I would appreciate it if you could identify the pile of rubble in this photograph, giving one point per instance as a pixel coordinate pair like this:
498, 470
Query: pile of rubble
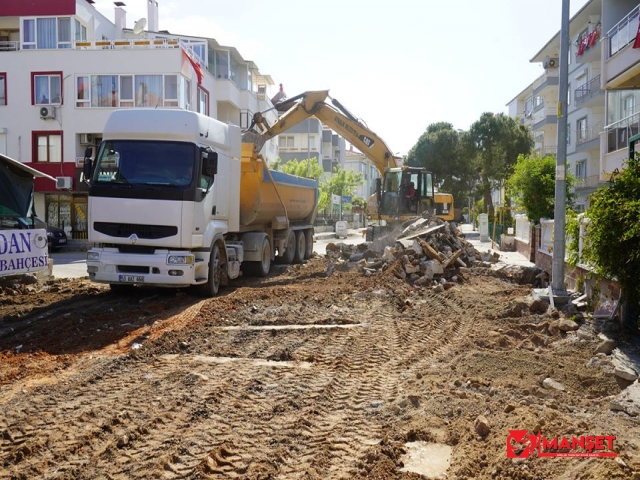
426, 252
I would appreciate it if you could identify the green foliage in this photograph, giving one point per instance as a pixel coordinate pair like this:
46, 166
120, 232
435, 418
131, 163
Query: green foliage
301, 168
572, 232
532, 186
494, 143
342, 182
613, 245
439, 150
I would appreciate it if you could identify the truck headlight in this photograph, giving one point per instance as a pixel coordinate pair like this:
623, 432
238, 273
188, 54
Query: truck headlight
93, 256
180, 259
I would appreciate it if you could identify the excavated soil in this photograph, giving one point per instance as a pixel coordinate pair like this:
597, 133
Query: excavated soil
311, 373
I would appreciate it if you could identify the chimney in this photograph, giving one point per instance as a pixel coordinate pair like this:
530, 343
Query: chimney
120, 16
152, 15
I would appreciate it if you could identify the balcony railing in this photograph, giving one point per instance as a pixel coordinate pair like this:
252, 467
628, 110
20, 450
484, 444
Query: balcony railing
584, 135
128, 43
623, 33
6, 46
619, 133
588, 90
587, 182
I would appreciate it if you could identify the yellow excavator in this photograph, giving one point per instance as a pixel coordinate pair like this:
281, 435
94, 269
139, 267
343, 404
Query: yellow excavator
395, 203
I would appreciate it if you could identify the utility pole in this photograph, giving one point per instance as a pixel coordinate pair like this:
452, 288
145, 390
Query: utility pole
559, 223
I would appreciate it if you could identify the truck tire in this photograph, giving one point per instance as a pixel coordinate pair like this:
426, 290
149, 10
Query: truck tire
210, 289
290, 249
308, 237
301, 246
373, 232
261, 268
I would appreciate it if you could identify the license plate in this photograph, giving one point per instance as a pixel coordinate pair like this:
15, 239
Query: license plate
131, 278
63, 240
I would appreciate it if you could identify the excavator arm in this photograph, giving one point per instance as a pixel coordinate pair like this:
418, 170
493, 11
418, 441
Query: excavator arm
335, 116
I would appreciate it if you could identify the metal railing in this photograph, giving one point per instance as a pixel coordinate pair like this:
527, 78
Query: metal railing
6, 46
619, 133
623, 33
591, 181
587, 134
587, 91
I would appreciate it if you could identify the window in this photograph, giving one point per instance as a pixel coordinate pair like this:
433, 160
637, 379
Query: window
285, 141
50, 33
569, 94
538, 102
187, 94
222, 64
581, 169
203, 101
3, 88
80, 31
47, 147
628, 106
246, 117
170, 90
127, 90
582, 132
46, 88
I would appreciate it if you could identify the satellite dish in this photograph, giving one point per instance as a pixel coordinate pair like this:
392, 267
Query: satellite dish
138, 28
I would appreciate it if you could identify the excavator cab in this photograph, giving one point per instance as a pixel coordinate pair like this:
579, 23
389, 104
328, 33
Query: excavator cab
405, 192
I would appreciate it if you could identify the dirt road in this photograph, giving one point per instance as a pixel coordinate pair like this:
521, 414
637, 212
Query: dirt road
302, 375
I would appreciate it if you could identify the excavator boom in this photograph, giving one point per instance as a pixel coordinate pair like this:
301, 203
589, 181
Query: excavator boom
313, 104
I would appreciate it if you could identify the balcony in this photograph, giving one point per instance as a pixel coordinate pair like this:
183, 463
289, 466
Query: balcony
588, 183
619, 133
589, 94
588, 138
622, 61
544, 116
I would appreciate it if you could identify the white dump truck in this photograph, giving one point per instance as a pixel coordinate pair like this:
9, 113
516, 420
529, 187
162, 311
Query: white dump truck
176, 200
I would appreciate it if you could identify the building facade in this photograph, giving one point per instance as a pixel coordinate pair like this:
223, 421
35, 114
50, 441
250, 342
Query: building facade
65, 68
602, 104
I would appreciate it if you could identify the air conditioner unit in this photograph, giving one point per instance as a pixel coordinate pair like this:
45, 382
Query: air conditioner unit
64, 183
86, 139
47, 112
549, 62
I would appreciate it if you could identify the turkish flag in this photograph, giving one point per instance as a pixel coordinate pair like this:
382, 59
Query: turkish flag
582, 46
195, 65
636, 43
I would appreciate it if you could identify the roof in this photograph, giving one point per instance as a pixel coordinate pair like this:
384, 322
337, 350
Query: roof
26, 168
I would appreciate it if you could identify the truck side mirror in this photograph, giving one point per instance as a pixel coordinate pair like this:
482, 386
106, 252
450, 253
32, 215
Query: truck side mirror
87, 165
209, 162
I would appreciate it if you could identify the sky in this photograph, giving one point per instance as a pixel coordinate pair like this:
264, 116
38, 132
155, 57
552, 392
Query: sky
398, 66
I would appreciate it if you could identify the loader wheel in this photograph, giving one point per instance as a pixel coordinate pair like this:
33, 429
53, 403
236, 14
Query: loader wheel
301, 246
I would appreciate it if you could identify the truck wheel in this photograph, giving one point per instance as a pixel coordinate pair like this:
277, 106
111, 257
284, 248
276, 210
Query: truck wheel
301, 246
210, 289
290, 249
261, 268
308, 250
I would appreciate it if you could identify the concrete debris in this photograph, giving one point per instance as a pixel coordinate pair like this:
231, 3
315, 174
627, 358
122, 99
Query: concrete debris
628, 400
427, 253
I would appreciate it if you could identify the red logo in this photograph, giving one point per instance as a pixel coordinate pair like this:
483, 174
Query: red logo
521, 444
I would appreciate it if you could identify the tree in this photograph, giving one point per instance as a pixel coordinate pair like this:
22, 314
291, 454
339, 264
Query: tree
342, 182
613, 238
532, 186
439, 150
301, 168
494, 143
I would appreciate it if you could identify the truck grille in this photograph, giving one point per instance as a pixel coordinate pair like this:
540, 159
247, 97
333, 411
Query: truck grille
124, 230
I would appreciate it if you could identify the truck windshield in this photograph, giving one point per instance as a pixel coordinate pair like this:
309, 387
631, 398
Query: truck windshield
145, 163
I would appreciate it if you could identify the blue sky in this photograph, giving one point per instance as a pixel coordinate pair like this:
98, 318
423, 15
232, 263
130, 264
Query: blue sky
398, 66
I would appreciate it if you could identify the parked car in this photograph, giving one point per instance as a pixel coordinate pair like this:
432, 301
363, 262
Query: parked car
55, 235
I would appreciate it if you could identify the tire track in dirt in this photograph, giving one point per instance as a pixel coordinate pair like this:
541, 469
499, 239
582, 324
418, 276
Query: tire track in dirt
236, 418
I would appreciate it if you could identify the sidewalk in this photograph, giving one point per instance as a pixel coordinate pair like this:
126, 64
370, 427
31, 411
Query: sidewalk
473, 237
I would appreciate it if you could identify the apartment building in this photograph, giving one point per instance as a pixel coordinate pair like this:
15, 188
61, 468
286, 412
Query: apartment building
537, 105
64, 68
604, 77
357, 162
